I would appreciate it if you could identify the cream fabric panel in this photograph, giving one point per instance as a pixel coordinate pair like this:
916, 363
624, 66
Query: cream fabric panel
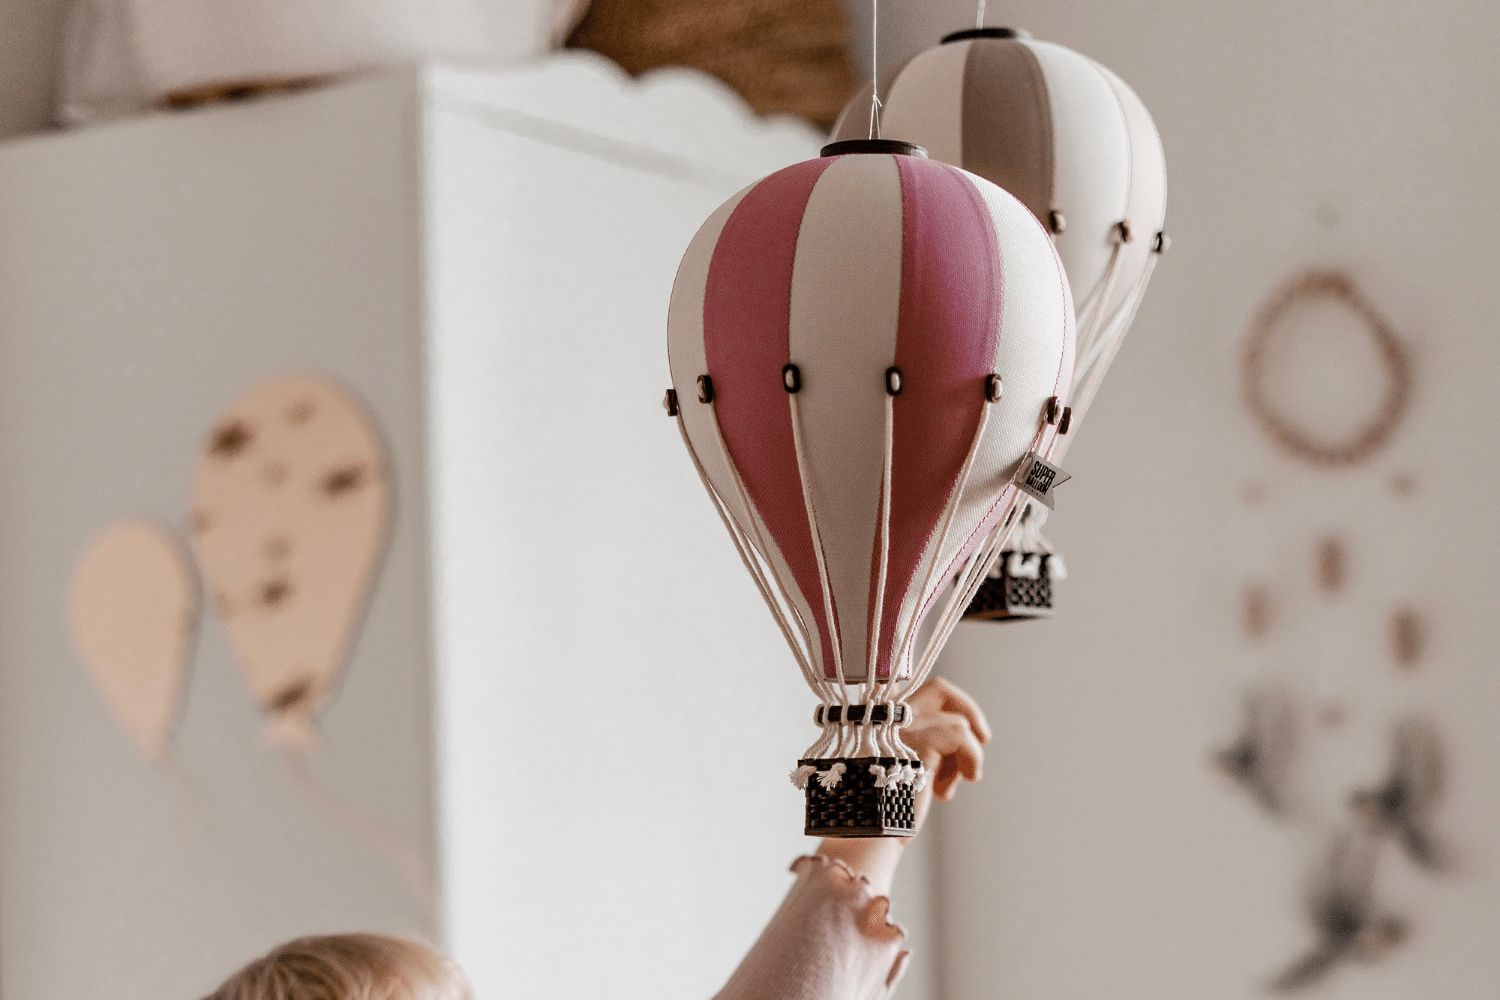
1091, 161
938, 119
844, 321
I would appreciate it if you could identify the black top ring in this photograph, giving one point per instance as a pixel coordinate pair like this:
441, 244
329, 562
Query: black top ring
895, 146
959, 36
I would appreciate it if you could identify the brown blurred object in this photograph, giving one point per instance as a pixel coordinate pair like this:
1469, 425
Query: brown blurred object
1298, 441
782, 56
1408, 637
219, 93
1257, 610
1403, 484
1333, 565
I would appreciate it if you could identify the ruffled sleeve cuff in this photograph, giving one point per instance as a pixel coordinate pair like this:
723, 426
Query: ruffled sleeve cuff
832, 939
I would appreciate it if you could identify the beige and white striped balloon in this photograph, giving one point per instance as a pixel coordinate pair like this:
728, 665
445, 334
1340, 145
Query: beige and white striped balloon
1065, 136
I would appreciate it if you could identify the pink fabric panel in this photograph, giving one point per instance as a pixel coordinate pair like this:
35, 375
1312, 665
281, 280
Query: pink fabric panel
746, 315
950, 314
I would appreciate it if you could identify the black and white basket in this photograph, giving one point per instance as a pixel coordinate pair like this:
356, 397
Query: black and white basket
1004, 596
859, 804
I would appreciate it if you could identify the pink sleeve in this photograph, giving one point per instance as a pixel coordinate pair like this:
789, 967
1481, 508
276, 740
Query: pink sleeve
830, 940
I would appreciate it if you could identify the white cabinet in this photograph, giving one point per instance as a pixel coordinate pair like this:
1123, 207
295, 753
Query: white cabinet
565, 695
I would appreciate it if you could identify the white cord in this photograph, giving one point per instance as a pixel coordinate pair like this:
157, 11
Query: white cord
765, 580
835, 640
979, 20
875, 104
1101, 354
948, 513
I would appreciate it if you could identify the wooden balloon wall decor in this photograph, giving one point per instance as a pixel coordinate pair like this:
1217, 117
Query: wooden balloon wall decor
870, 352
1073, 143
289, 520
134, 609
1292, 436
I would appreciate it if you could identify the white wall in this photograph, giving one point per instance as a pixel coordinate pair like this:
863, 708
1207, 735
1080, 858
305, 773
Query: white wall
619, 711
1100, 857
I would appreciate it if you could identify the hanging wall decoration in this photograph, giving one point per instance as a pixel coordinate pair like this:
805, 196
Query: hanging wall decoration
1299, 437
1408, 637
289, 520
1261, 757
1076, 145
1401, 807
134, 608
1349, 924
869, 356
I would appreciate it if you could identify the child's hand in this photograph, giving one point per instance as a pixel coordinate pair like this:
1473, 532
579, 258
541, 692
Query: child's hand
948, 732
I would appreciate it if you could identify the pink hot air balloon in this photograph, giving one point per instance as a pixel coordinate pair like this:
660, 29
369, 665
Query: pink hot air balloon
870, 353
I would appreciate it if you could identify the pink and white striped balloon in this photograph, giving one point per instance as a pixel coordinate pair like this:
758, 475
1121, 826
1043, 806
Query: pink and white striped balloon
865, 347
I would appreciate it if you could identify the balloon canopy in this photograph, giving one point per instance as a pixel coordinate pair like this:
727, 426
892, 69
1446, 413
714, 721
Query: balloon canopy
1064, 135
864, 348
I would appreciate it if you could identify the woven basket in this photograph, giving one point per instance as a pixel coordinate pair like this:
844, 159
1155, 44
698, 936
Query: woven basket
855, 807
782, 56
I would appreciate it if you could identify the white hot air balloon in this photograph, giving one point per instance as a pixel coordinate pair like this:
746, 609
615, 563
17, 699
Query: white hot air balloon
1074, 143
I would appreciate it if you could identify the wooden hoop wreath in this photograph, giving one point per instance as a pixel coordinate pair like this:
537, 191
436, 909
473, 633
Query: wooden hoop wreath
1285, 432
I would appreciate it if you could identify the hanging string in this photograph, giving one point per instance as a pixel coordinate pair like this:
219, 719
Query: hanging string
407, 862
875, 104
979, 20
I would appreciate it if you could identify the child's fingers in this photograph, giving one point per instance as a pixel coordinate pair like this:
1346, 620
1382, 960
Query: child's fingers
949, 697
952, 738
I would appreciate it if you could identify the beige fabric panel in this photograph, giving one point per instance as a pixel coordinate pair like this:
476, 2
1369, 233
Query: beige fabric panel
1092, 156
856, 203
924, 103
1146, 207
1008, 122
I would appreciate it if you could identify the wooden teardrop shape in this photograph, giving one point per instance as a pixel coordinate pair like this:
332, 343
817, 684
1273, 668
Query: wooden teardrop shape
133, 609
289, 521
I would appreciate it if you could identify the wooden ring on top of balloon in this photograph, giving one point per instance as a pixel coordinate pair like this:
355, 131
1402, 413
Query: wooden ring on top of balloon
1293, 438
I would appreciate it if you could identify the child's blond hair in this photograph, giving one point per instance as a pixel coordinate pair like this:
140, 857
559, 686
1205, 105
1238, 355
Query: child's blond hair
347, 967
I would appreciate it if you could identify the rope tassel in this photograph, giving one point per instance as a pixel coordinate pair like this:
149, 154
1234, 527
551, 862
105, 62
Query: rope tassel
830, 778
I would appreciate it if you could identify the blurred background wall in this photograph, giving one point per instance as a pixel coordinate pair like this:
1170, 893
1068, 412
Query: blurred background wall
30, 42
1102, 856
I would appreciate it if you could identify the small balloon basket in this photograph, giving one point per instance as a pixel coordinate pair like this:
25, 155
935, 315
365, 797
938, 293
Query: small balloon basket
862, 802
1019, 587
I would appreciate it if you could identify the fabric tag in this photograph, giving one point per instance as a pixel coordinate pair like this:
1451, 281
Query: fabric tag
1039, 478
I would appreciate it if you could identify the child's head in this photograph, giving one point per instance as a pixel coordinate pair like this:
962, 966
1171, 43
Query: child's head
347, 967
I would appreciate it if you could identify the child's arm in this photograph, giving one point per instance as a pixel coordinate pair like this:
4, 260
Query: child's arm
832, 936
